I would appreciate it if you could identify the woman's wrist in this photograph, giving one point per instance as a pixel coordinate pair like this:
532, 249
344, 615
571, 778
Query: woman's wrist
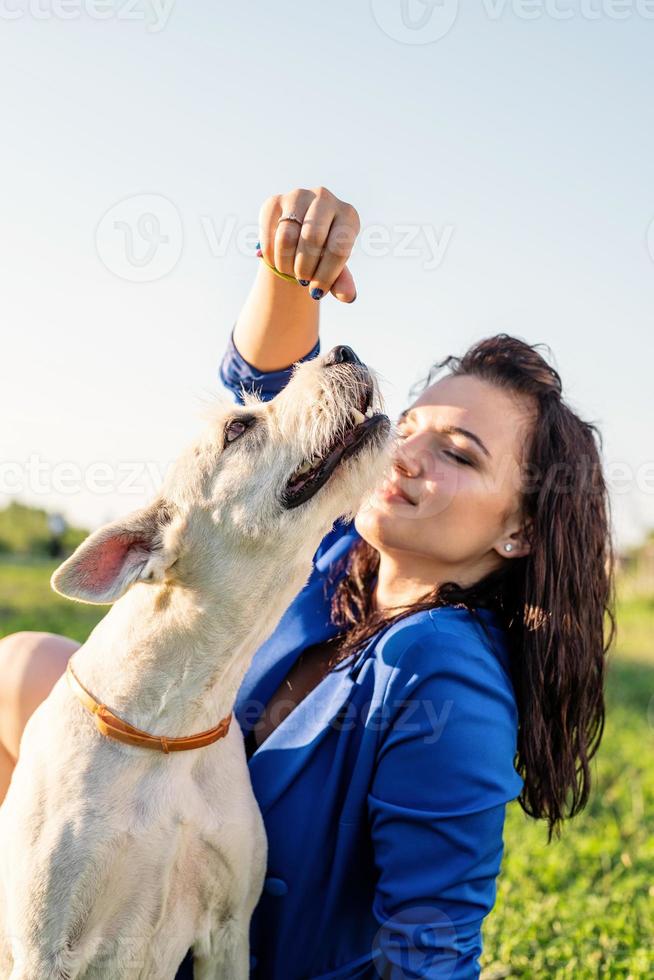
278, 323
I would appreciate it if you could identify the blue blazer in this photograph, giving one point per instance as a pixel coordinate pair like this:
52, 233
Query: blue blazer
383, 793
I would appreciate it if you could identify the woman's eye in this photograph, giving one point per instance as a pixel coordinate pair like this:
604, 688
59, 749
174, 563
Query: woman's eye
459, 459
233, 430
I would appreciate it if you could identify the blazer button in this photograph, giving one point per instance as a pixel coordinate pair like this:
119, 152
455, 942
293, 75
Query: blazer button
253, 961
275, 886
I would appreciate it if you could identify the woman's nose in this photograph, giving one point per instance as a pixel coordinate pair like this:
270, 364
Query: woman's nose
406, 464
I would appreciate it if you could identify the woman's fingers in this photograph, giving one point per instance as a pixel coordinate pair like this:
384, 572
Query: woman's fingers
337, 250
313, 234
269, 215
287, 233
343, 288
315, 251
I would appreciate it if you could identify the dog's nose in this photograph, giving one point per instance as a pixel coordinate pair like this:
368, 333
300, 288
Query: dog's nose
342, 354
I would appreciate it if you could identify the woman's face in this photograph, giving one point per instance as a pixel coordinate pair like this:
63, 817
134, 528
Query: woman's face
453, 497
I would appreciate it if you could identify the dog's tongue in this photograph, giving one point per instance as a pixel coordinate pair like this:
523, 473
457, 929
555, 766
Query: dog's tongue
297, 482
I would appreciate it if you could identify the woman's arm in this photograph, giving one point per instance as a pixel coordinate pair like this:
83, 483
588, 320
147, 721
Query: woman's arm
436, 804
278, 324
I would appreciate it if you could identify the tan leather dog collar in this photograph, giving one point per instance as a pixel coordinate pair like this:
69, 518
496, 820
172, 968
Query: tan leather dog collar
110, 725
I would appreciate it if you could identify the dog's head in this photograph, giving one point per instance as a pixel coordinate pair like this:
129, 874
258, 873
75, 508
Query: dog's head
266, 478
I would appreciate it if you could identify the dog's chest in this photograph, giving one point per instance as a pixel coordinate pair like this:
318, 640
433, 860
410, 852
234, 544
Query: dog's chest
133, 845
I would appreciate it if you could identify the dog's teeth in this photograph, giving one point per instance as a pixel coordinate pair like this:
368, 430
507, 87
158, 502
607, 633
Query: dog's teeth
358, 416
369, 412
305, 468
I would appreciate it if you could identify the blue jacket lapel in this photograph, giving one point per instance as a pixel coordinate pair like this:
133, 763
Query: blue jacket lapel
305, 622
289, 747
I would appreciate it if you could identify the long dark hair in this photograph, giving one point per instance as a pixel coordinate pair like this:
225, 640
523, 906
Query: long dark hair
555, 604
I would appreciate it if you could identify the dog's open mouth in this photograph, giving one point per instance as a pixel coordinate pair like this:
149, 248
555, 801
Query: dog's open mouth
314, 473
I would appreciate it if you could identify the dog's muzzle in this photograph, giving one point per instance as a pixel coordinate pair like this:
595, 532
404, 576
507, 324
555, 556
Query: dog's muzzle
366, 425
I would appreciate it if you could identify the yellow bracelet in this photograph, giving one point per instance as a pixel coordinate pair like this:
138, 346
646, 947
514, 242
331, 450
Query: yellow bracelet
282, 275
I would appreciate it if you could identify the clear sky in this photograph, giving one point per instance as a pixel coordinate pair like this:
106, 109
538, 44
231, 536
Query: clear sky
501, 155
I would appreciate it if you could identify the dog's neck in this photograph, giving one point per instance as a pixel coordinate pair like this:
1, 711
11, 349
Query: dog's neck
171, 662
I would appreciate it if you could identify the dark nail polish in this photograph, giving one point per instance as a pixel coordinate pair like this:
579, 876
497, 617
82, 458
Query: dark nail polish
316, 293
304, 282
258, 244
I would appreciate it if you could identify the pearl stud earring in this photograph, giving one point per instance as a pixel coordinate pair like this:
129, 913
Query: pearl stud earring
508, 547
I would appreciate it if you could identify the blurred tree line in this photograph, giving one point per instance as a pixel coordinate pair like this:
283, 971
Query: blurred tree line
31, 532
636, 569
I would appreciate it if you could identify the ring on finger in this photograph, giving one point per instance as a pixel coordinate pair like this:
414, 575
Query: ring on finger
290, 217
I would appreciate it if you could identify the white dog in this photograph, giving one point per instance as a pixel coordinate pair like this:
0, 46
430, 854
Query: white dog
119, 855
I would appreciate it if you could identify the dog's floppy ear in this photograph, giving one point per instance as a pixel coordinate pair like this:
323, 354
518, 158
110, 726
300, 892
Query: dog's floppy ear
135, 548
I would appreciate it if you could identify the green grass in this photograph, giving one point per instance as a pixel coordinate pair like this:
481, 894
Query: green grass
581, 907
28, 603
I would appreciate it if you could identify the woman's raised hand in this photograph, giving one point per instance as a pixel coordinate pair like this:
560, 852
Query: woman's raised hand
315, 252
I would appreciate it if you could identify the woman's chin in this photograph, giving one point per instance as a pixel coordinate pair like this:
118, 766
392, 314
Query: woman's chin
373, 516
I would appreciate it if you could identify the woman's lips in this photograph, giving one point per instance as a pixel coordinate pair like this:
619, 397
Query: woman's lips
391, 491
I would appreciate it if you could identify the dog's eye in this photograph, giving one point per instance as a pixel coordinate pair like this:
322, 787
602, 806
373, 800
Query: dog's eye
234, 429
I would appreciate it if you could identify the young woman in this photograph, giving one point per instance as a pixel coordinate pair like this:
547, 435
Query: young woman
445, 657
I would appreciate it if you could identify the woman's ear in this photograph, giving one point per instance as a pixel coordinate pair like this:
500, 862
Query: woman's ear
514, 543
135, 548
